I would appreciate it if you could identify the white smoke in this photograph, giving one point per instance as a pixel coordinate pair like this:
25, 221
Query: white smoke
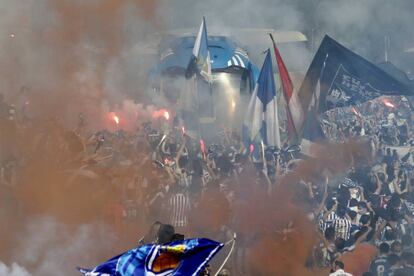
13, 270
47, 247
358, 24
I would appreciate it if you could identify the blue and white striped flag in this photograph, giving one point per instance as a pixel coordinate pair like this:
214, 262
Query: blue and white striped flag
261, 122
200, 59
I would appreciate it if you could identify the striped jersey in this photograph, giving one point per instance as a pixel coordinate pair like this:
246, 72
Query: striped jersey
179, 207
342, 228
324, 224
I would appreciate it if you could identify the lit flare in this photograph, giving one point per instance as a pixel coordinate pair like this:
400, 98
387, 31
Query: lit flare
114, 118
161, 113
388, 103
166, 115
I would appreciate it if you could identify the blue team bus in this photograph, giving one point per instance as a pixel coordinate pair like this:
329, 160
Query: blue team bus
222, 103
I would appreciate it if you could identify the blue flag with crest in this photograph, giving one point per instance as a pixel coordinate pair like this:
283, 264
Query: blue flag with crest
179, 258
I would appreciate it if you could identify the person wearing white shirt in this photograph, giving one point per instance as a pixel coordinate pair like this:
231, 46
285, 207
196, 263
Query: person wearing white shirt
339, 270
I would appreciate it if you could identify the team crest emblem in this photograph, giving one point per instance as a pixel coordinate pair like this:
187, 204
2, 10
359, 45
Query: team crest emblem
163, 260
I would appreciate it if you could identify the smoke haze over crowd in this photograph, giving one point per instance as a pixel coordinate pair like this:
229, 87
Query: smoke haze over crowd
62, 58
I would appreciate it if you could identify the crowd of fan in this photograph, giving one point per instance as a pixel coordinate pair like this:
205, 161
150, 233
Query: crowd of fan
373, 204
174, 173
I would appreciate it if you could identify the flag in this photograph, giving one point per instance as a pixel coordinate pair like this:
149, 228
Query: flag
179, 258
200, 61
287, 88
253, 75
261, 121
313, 134
345, 79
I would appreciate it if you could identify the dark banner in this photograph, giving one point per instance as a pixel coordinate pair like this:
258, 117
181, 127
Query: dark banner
339, 77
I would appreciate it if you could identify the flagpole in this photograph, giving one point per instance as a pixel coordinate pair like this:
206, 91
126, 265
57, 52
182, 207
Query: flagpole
316, 97
233, 242
386, 44
195, 83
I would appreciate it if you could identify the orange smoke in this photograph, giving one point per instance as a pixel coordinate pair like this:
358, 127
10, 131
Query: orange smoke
61, 50
67, 75
282, 235
63, 54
